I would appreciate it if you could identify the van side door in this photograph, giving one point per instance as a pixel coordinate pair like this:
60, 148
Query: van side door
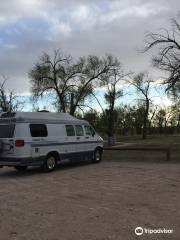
38, 133
80, 143
69, 148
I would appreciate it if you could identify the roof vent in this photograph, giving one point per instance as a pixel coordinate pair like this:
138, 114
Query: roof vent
43, 111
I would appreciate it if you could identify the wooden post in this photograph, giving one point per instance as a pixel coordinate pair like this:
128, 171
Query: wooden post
168, 154
162, 149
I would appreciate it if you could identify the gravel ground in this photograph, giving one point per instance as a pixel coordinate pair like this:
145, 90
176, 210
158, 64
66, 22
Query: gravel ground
91, 201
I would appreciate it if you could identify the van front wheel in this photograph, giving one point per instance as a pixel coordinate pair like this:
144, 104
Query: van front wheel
97, 156
50, 163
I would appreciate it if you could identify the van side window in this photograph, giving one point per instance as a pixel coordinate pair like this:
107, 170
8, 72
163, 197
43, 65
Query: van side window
89, 130
38, 130
70, 130
93, 132
79, 130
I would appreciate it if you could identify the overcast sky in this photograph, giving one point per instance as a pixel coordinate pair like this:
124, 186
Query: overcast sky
28, 27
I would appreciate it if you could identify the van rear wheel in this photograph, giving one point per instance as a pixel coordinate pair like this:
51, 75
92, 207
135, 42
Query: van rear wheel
97, 156
50, 163
20, 168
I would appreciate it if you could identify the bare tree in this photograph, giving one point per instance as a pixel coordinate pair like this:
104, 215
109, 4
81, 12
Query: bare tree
168, 56
70, 82
175, 116
51, 75
142, 83
9, 101
111, 81
152, 113
92, 68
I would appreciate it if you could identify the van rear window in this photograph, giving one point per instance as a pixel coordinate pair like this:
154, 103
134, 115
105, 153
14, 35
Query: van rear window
38, 130
7, 130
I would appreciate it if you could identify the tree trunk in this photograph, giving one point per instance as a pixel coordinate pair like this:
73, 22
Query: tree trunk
72, 109
111, 124
61, 103
178, 124
144, 136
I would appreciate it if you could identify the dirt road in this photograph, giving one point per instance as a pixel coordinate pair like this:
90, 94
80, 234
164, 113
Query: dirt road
91, 201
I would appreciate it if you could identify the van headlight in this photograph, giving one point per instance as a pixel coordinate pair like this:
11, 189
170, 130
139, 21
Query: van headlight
101, 139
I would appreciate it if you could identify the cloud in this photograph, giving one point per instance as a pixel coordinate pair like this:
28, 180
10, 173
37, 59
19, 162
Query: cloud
86, 17
78, 27
10, 46
12, 11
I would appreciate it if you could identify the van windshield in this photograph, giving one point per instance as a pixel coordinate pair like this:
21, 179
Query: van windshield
6, 130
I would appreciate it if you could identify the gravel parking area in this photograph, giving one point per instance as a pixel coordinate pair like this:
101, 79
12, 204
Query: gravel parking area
91, 201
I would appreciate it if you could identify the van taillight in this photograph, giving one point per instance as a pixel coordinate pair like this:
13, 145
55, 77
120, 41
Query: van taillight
19, 143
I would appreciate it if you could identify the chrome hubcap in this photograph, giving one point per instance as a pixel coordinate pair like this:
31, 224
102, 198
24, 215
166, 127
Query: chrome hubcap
97, 156
51, 163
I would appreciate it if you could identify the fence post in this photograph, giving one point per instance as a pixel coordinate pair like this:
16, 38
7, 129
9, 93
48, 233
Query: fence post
168, 154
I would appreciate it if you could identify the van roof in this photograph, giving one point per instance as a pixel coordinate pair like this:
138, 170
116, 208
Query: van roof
41, 117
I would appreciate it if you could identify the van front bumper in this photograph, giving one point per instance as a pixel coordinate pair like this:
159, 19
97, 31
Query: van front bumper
38, 161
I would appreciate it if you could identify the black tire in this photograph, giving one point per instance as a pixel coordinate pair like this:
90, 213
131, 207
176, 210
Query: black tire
21, 168
97, 156
50, 163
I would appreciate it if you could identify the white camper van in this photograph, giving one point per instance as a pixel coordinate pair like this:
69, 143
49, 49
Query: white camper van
45, 139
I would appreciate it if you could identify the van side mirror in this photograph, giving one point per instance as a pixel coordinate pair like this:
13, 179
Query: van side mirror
93, 134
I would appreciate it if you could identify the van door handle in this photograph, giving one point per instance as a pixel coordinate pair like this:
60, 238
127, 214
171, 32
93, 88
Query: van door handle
87, 137
77, 137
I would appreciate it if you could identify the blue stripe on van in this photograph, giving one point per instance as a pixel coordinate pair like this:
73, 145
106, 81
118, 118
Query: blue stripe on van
65, 143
